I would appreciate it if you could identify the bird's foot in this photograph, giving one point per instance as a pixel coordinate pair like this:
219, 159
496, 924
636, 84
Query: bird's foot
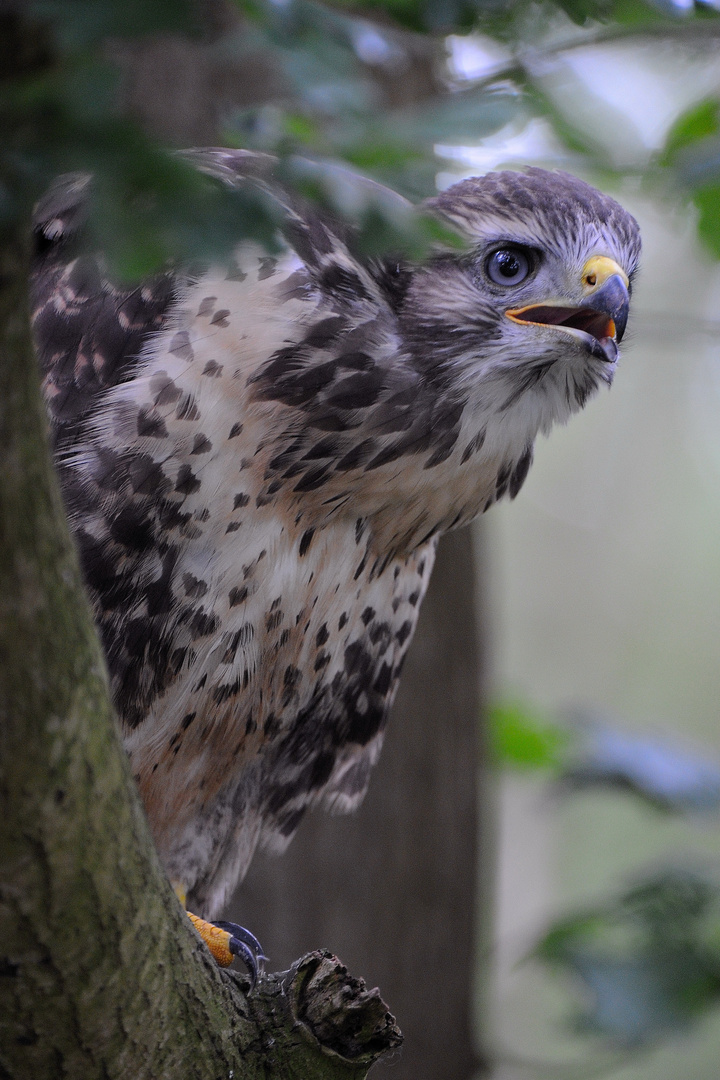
226, 940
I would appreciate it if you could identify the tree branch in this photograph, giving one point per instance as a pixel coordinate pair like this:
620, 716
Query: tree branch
525, 61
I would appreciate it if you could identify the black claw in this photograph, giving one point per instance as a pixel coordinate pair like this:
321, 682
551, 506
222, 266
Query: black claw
242, 935
245, 945
239, 948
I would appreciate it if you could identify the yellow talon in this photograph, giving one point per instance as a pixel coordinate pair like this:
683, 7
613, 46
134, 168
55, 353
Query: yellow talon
226, 940
217, 940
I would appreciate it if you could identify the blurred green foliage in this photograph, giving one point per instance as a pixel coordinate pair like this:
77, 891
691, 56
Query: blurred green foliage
501, 18
332, 66
692, 152
699, 123
649, 960
58, 111
58, 114
522, 739
589, 751
90, 22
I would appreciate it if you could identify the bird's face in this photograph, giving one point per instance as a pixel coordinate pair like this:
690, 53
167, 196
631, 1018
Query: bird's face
557, 306
539, 303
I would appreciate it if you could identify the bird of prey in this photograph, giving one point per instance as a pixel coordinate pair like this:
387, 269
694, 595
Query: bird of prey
257, 460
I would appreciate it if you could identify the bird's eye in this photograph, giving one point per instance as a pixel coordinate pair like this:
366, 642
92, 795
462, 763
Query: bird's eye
508, 266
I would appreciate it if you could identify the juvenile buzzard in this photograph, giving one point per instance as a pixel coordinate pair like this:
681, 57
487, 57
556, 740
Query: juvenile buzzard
257, 462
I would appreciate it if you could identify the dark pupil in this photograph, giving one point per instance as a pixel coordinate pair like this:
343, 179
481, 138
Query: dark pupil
507, 264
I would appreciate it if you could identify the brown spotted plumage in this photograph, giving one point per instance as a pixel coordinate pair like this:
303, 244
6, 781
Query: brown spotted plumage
257, 462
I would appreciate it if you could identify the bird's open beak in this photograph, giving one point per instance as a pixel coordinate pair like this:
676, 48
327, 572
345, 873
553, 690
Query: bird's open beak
601, 317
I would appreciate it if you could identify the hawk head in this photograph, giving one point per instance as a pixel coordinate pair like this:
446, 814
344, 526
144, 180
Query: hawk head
540, 301
418, 405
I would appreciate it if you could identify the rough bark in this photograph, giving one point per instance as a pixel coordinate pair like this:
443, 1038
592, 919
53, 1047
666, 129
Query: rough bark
393, 888
101, 974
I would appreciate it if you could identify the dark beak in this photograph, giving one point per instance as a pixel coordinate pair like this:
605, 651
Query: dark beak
611, 298
602, 315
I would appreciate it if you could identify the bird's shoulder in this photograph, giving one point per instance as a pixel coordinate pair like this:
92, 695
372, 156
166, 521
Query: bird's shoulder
88, 329
91, 331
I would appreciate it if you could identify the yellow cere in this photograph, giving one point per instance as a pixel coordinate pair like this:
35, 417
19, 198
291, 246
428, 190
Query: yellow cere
598, 269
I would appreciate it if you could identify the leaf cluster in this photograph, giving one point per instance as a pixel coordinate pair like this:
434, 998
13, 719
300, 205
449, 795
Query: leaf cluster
692, 153
340, 69
649, 960
341, 74
58, 114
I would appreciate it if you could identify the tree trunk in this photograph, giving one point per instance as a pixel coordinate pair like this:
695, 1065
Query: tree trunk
392, 888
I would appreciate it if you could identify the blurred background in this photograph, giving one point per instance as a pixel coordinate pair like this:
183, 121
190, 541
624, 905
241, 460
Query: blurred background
534, 879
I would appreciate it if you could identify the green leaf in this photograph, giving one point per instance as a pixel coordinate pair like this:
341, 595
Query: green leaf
698, 123
692, 152
707, 200
642, 14
559, 942
520, 738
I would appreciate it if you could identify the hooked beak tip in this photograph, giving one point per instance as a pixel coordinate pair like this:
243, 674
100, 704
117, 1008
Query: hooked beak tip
612, 298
